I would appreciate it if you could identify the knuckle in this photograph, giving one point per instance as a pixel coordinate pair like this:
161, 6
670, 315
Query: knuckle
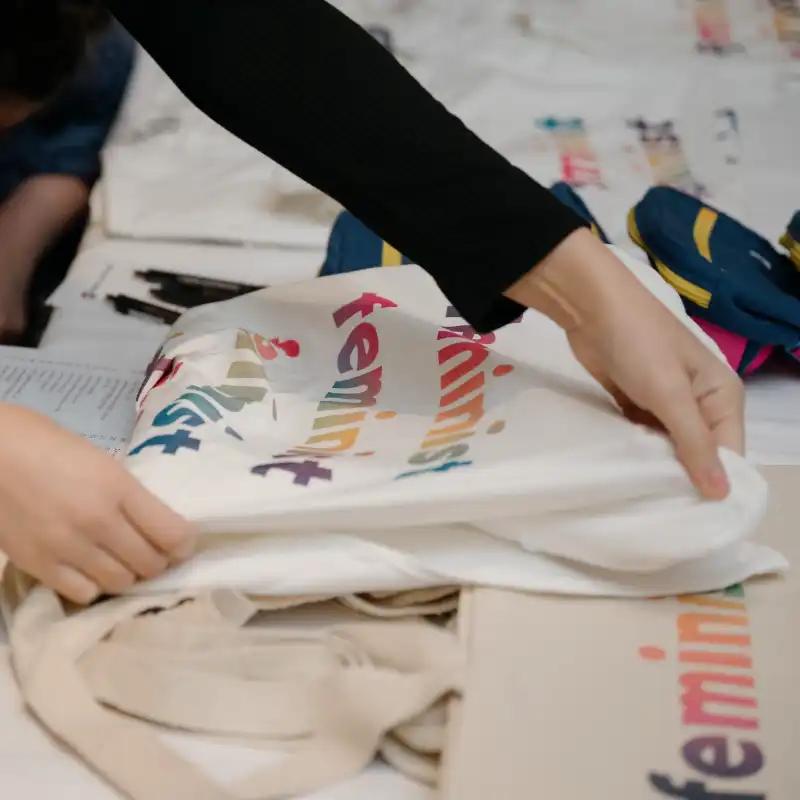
57, 541
138, 554
737, 391
41, 569
152, 565
82, 595
171, 538
116, 579
95, 522
667, 393
71, 586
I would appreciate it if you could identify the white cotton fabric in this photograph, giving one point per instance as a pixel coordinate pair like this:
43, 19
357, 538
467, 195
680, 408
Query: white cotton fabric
171, 173
562, 493
324, 699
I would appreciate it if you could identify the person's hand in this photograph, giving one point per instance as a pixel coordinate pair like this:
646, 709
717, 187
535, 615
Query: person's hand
661, 375
32, 219
75, 519
655, 368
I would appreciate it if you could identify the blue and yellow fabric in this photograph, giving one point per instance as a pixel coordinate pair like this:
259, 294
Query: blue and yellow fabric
569, 197
791, 239
727, 274
353, 246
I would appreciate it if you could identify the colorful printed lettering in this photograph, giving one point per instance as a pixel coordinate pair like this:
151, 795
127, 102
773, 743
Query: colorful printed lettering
710, 755
194, 408
717, 693
442, 468
170, 443
579, 163
158, 373
268, 350
786, 19
246, 377
304, 471
714, 28
698, 696
246, 382
663, 148
462, 355
695, 790
344, 410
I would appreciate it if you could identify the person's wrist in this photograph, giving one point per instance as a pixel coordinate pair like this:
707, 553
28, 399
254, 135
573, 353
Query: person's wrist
575, 284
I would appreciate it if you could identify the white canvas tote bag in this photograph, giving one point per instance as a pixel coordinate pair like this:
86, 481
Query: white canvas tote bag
340, 440
330, 698
353, 433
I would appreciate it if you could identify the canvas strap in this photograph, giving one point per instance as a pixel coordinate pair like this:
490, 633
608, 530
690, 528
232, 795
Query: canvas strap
334, 696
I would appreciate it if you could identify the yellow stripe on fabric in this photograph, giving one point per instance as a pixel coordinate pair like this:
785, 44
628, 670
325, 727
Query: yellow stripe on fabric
793, 247
703, 225
390, 257
696, 294
691, 291
633, 230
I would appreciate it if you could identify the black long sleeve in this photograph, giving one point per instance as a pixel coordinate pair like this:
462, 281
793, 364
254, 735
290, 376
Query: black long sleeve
305, 85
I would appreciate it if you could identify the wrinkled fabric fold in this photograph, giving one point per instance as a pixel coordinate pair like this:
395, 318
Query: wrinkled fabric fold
312, 431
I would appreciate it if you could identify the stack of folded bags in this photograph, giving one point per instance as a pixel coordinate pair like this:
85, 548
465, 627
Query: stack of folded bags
743, 292
343, 503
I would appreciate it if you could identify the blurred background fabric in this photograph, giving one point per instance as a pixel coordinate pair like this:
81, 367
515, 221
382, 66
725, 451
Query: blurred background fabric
611, 96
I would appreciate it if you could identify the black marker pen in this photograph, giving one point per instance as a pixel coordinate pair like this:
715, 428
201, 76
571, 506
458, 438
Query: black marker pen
179, 294
133, 306
161, 276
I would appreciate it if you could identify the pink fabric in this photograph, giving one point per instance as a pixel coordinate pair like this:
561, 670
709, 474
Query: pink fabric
733, 346
759, 360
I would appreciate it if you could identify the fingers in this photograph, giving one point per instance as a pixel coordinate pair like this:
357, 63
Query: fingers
70, 584
133, 550
106, 550
79, 567
104, 546
723, 407
97, 564
693, 438
106, 559
82, 567
67, 581
166, 531
729, 433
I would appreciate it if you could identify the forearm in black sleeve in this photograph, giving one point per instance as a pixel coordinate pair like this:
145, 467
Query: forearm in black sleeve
305, 85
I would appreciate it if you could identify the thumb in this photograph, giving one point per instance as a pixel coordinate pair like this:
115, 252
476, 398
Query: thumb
694, 441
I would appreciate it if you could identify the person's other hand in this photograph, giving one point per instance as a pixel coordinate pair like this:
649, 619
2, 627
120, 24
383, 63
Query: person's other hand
75, 519
654, 367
